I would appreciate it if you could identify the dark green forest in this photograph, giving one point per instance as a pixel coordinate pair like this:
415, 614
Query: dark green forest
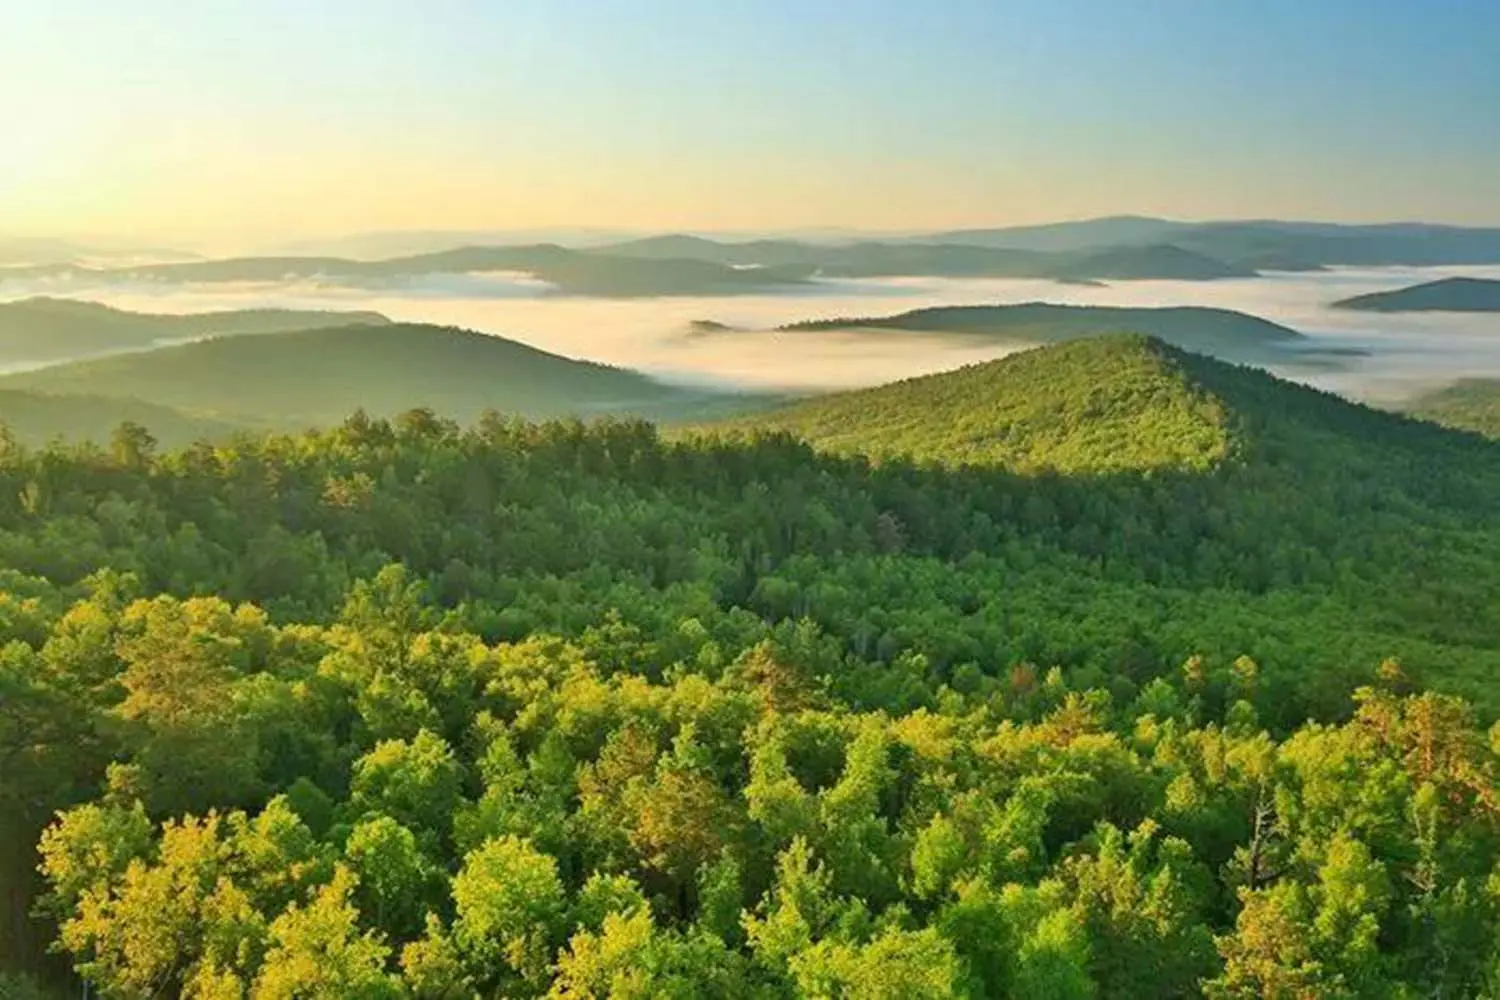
1151, 677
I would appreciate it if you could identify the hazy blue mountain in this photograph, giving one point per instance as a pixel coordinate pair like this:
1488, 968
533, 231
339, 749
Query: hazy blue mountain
1447, 295
853, 260
1161, 261
1262, 244
1062, 237
1319, 243
681, 246
1120, 248
36, 250
871, 259
571, 271
409, 242
1222, 333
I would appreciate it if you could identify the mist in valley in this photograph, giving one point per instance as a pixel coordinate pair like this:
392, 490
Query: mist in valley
1406, 353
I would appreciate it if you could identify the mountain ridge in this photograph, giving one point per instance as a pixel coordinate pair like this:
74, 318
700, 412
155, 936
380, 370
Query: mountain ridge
1225, 333
1018, 413
1458, 294
1100, 404
46, 329
317, 377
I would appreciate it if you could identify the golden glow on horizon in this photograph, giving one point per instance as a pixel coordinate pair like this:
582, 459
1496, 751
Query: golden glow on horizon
228, 187
233, 188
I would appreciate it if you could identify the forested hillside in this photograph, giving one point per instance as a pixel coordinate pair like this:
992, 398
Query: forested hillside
1087, 406
867, 259
48, 330
317, 377
401, 709
1471, 404
38, 418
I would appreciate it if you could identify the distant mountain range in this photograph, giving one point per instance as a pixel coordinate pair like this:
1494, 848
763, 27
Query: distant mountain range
1222, 333
1043, 251
1447, 295
569, 271
1115, 249
1267, 244
885, 259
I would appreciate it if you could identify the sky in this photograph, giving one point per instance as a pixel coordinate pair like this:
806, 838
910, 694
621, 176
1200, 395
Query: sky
224, 120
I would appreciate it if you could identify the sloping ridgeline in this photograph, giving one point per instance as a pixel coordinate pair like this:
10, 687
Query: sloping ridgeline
1213, 476
317, 377
571, 271
38, 330
399, 709
1447, 295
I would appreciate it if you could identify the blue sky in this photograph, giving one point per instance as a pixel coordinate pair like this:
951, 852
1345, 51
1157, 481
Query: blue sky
218, 116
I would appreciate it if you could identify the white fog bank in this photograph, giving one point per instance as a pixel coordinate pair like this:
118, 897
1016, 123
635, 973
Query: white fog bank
1409, 352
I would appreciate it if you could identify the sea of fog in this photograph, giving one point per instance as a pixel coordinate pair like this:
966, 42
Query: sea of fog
1407, 352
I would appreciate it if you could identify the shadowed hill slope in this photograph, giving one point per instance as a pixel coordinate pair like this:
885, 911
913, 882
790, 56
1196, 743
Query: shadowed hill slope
1447, 295
35, 418
39, 330
1202, 458
318, 377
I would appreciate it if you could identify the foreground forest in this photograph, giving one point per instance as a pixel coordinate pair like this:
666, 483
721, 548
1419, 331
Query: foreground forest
404, 709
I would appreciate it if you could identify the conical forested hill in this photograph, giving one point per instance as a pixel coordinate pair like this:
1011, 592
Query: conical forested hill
1109, 403
1102, 405
1166, 468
